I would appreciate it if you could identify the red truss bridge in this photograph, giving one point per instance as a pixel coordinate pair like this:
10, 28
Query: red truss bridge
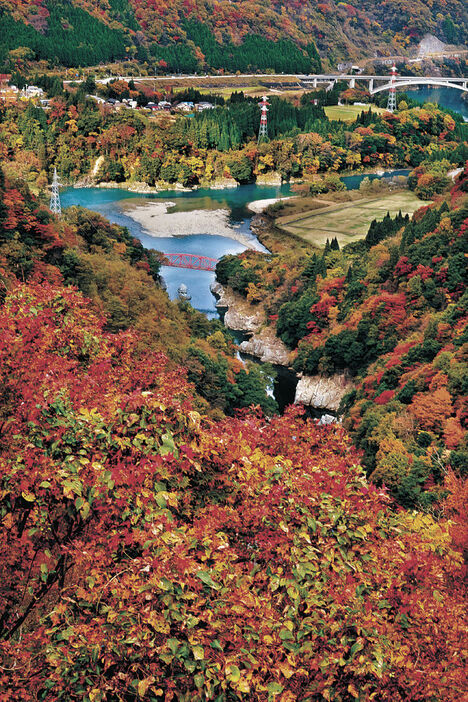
193, 261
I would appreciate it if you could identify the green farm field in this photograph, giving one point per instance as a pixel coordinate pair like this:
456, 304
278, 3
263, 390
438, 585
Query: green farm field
347, 222
348, 113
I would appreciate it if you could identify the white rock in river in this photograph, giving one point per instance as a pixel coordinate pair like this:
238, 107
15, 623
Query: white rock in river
320, 392
267, 347
327, 419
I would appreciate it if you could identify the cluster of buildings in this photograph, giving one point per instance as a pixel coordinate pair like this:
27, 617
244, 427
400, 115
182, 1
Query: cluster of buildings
10, 93
161, 106
164, 105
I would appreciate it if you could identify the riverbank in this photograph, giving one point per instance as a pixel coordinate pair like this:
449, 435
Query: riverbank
274, 239
268, 179
258, 206
142, 188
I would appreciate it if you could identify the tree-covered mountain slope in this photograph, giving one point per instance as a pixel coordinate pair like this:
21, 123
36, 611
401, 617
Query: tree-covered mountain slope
390, 312
190, 35
150, 553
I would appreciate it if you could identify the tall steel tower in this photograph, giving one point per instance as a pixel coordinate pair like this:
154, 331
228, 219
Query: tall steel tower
55, 197
263, 131
391, 102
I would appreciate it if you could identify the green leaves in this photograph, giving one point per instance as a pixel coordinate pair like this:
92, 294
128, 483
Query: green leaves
168, 445
173, 645
206, 579
286, 635
274, 689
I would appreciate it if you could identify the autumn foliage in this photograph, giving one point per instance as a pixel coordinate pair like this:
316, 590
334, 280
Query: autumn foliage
389, 313
153, 548
347, 29
147, 553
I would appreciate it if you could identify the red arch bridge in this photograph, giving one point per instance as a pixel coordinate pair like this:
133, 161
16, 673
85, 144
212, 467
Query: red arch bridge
193, 261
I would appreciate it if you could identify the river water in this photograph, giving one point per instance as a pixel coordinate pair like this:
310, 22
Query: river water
113, 204
451, 98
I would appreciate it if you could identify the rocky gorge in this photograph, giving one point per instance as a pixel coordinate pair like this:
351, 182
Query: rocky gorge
318, 392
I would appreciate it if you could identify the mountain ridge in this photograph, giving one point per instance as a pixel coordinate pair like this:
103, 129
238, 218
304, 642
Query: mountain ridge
208, 34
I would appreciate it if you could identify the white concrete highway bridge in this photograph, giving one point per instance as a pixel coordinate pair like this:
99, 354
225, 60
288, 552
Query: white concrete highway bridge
378, 84
375, 84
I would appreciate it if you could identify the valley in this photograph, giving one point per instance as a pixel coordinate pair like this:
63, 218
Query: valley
233, 351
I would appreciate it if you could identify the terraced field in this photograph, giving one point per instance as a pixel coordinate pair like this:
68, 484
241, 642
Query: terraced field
347, 221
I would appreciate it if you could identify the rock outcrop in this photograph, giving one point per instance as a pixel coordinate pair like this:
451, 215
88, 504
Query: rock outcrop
321, 392
241, 316
266, 346
314, 391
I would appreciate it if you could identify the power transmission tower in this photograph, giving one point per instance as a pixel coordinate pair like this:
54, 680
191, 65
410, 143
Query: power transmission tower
263, 131
391, 102
55, 197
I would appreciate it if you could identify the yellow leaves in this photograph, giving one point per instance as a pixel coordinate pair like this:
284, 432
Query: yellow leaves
198, 653
238, 609
158, 623
449, 123
286, 669
95, 695
143, 685
233, 673
243, 685
194, 419
352, 690
28, 496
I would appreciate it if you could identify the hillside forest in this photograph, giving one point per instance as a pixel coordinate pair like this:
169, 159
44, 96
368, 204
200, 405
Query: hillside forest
189, 36
221, 143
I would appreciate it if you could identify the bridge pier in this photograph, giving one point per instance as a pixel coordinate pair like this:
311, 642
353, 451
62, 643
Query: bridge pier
371, 85
352, 83
314, 83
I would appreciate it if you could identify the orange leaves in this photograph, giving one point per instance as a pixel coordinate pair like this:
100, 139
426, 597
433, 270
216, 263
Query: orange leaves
453, 433
431, 410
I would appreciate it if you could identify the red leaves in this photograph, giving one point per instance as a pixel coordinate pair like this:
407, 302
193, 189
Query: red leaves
385, 397
403, 266
424, 272
204, 561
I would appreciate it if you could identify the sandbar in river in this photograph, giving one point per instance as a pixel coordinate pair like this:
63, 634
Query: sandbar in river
158, 222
